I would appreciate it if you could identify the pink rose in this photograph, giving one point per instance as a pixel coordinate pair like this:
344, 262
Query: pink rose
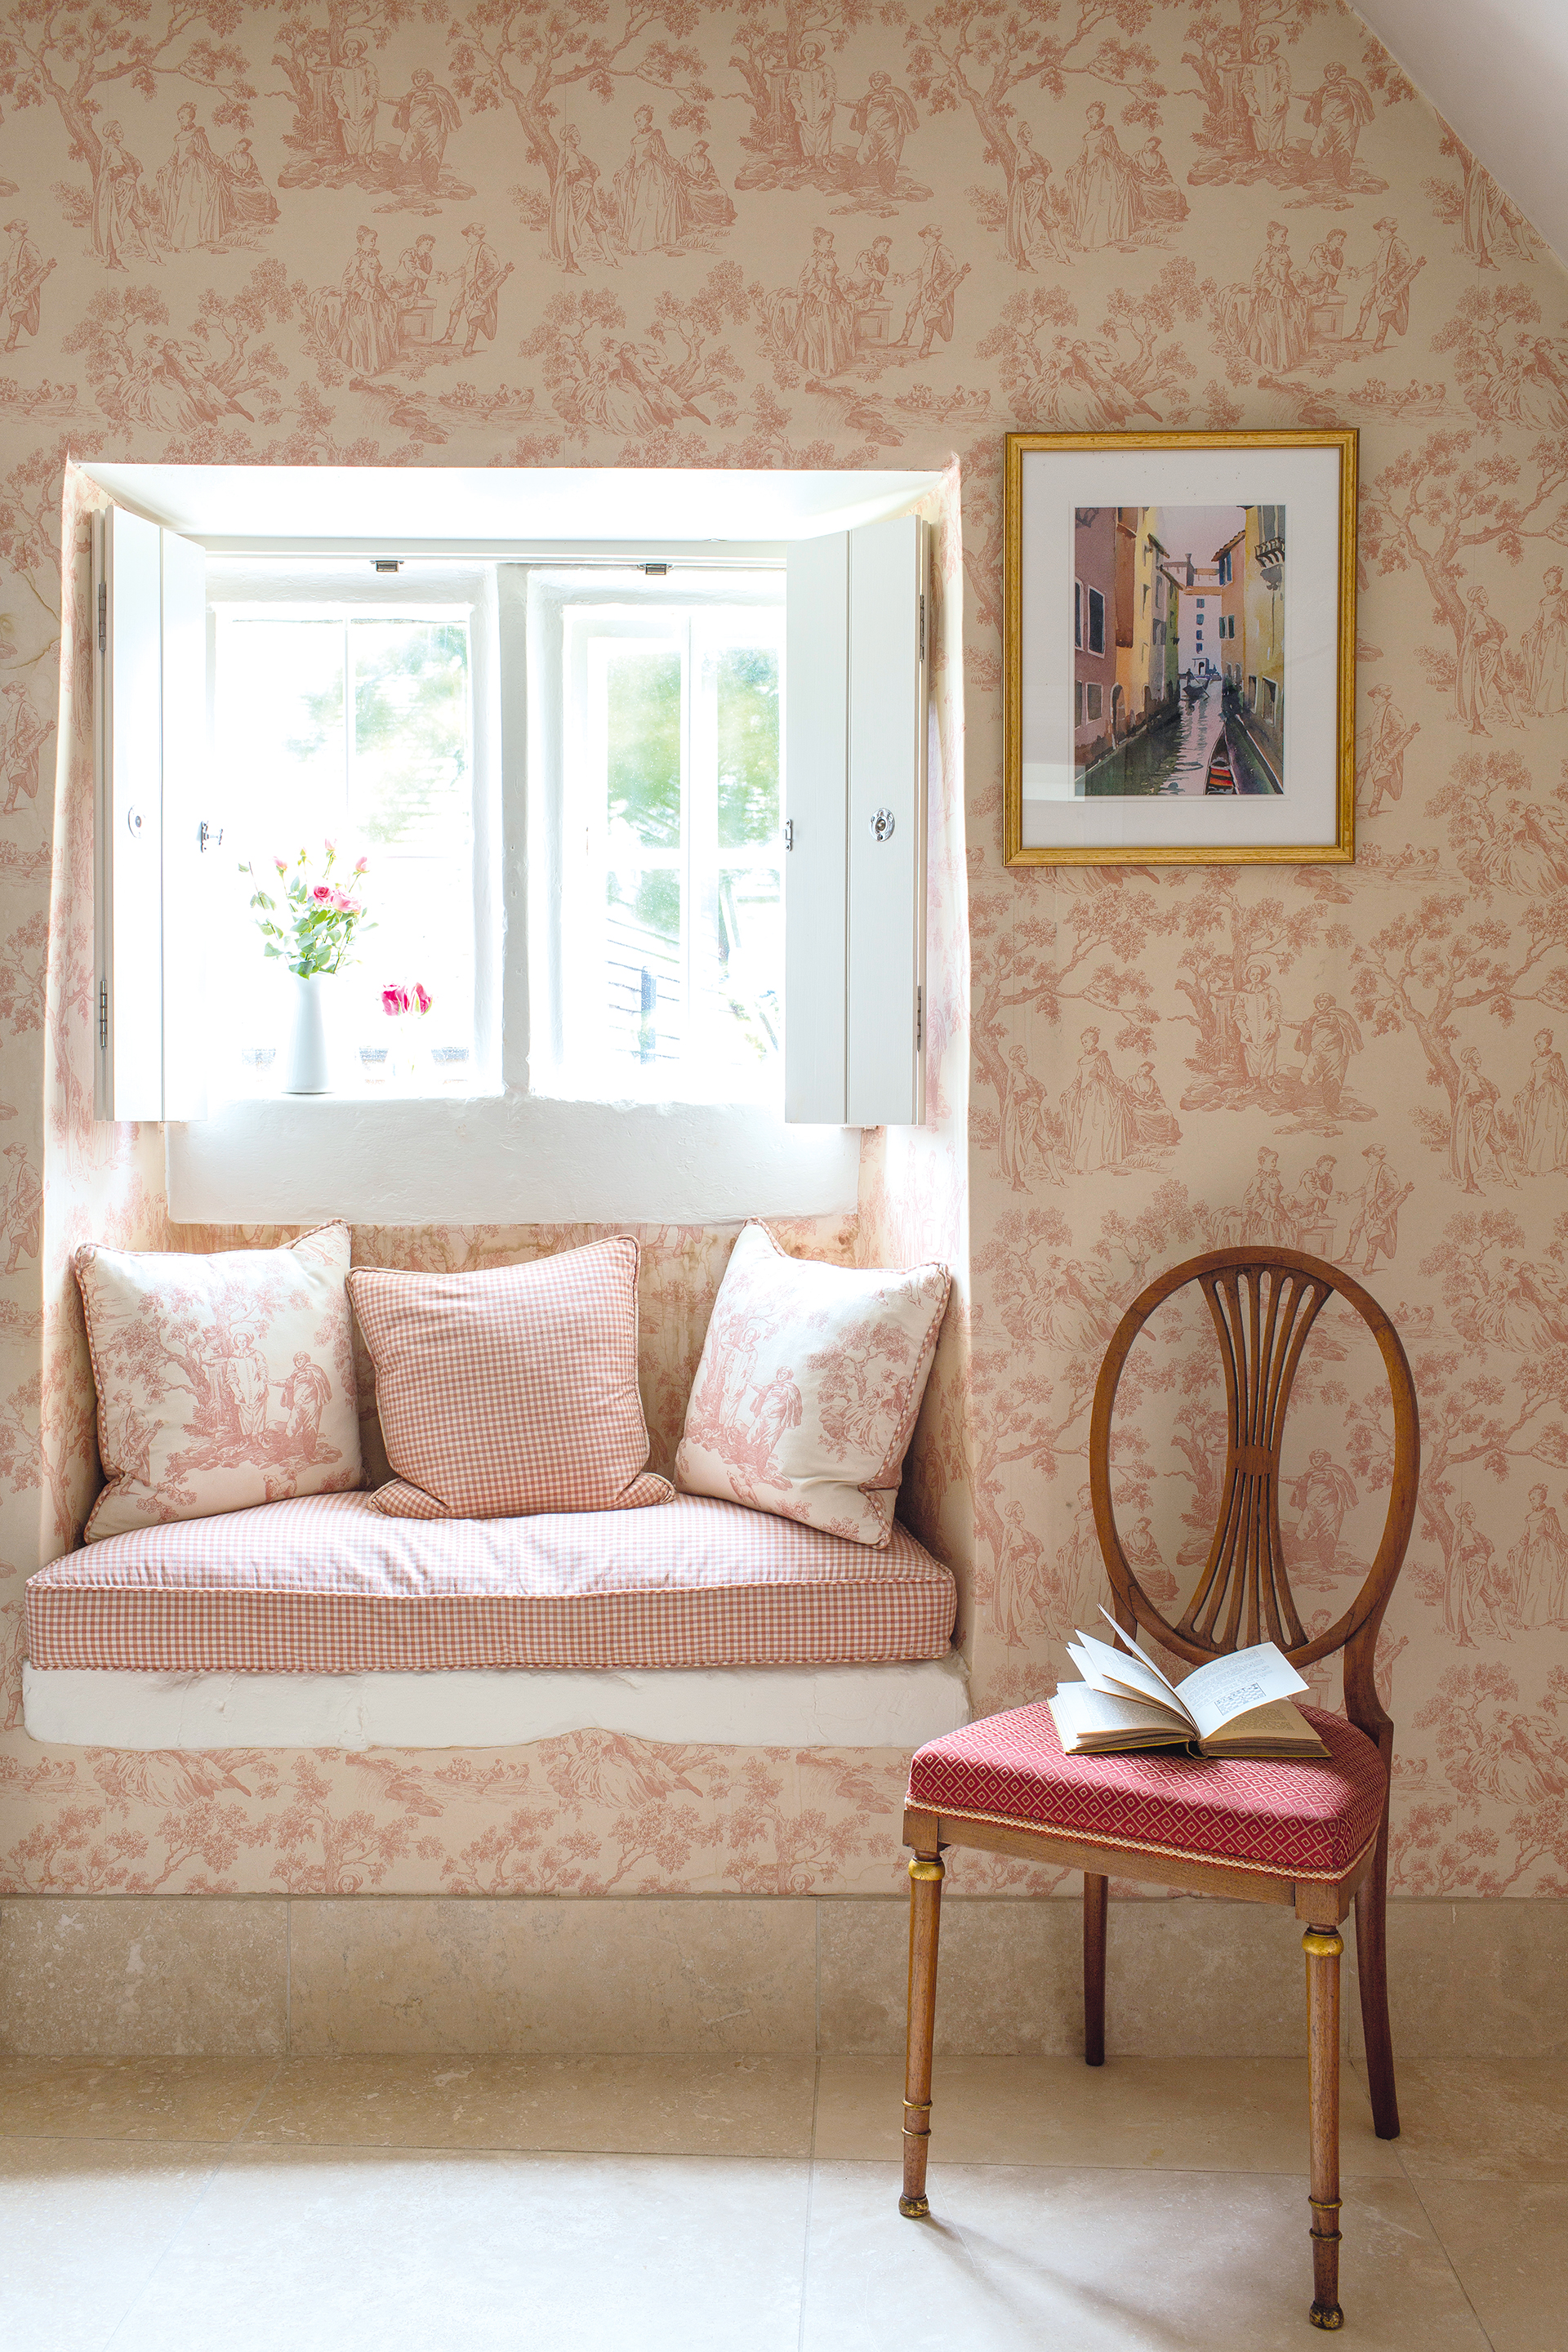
362, 865
322, 893
394, 1000
344, 904
424, 996
281, 864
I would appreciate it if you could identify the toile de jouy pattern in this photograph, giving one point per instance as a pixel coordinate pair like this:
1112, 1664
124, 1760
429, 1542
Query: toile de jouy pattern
809, 1386
819, 232
222, 1382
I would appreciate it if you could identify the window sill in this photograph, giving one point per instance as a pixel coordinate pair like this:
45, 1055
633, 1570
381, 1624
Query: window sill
506, 1158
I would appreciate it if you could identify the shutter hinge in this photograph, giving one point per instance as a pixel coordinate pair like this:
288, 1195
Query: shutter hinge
103, 1016
789, 833
919, 1019
923, 628
103, 617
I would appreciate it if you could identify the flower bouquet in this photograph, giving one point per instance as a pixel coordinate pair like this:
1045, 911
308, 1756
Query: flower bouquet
313, 929
309, 922
407, 1005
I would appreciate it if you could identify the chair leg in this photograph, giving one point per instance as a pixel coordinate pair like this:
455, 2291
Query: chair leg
926, 1875
1372, 1969
1094, 1921
1323, 1946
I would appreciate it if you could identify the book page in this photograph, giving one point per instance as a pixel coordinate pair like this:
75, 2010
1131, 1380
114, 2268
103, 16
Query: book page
1103, 1667
1080, 1712
1277, 1724
1233, 1685
1142, 1657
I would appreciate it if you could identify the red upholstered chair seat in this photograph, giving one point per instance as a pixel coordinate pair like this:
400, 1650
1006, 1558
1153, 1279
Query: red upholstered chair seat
1302, 1819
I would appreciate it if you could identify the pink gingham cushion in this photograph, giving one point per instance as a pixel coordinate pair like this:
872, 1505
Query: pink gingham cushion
509, 1391
223, 1382
332, 1587
810, 1382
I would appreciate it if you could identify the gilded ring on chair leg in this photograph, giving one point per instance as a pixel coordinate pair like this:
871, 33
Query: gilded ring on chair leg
1326, 2315
915, 2209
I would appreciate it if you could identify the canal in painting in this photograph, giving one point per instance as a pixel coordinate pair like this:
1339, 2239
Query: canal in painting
1171, 756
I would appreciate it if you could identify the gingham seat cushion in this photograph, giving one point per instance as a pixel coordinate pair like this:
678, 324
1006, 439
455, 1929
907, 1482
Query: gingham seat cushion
328, 1585
1303, 1820
510, 1390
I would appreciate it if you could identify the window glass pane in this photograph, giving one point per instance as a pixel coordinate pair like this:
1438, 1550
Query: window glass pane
280, 717
643, 963
409, 788
748, 958
748, 690
643, 735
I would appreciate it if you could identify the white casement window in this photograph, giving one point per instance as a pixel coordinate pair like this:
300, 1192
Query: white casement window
645, 820
354, 710
655, 916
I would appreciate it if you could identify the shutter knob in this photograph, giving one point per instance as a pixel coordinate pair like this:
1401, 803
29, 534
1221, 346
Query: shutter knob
882, 824
133, 823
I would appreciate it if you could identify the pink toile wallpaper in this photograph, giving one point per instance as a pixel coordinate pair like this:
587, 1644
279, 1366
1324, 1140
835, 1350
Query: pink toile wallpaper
820, 232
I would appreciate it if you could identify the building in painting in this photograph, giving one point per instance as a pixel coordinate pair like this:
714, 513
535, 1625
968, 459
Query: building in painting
1200, 638
1140, 676
1263, 634
1168, 624
1094, 630
1230, 575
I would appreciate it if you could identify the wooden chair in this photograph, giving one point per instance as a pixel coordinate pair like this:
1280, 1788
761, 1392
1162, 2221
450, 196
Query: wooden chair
1311, 1835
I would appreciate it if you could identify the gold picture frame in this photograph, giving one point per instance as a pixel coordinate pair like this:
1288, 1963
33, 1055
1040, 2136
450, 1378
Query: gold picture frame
1290, 797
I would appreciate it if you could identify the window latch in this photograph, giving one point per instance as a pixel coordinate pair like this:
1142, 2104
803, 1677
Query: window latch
103, 617
209, 837
103, 1016
789, 833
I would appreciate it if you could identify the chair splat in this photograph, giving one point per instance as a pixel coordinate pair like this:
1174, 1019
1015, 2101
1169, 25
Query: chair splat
1261, 1316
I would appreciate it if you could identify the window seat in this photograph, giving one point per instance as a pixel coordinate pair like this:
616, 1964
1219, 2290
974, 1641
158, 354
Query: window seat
320, 1613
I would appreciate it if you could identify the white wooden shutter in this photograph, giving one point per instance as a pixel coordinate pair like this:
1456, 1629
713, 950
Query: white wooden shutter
150, 616
855, 787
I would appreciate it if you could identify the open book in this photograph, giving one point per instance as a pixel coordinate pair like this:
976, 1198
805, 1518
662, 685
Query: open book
1239, 1706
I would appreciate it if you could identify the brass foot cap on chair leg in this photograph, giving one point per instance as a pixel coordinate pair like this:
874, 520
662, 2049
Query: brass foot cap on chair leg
1326, 2315
915, 2209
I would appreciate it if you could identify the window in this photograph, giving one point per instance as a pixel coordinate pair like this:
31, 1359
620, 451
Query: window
1078, 614
1200, 604
1272, 706
343, 712
1093, 700
1225, 568
1078, 702
1252, 694
575, 842
654, 766
1096, 621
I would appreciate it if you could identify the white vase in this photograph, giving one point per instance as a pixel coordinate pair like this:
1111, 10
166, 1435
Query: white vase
308, 1069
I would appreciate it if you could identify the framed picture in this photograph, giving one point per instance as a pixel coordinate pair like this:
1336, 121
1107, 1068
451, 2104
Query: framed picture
1179, 648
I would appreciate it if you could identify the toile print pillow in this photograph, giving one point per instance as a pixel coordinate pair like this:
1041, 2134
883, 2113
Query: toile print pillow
810, 1382
223, 1382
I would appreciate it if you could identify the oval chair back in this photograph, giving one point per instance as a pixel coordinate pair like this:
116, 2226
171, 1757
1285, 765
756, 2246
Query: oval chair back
1263, 1302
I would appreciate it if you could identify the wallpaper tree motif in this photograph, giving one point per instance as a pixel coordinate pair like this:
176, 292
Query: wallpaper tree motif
816, 232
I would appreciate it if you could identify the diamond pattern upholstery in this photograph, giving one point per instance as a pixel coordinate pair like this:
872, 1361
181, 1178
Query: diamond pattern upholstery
1303, 1820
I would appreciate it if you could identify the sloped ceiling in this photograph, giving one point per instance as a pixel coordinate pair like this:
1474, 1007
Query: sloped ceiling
1497, 70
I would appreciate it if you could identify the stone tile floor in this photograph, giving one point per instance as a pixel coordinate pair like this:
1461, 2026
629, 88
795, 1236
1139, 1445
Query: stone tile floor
749, 2205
